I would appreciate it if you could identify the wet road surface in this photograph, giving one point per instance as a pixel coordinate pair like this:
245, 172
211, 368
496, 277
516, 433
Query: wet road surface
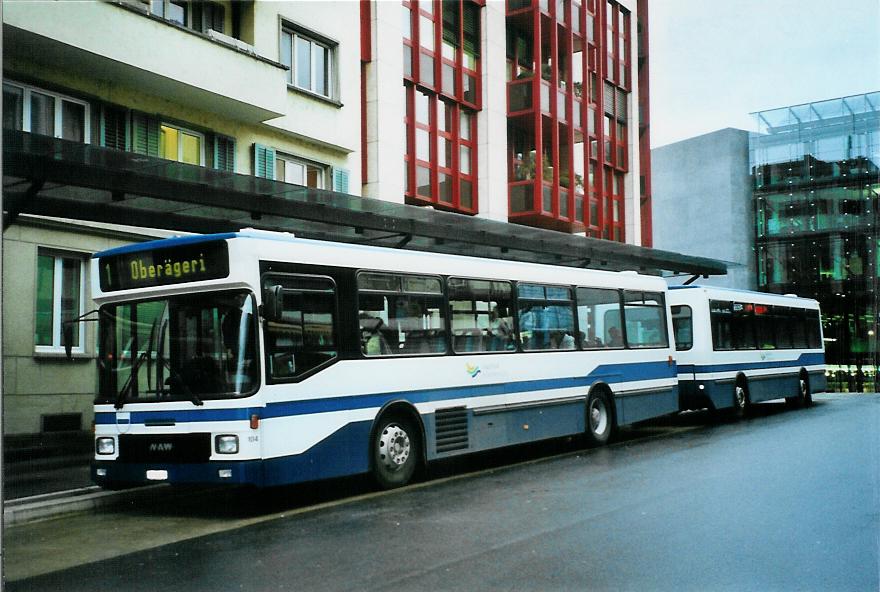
787, 500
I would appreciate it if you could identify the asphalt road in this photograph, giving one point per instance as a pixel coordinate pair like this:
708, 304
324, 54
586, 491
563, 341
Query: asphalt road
787, 500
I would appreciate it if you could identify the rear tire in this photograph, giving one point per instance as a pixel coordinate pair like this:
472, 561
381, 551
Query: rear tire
741, 404
600, 418
395, 450
806, 393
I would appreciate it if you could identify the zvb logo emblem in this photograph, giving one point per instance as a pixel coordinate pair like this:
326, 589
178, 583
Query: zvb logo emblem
472, 370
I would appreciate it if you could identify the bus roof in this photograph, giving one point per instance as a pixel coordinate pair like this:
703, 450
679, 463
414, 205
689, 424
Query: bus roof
750, 294
401, 259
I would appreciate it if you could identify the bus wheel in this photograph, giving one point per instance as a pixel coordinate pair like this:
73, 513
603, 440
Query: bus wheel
600, 420
395, 450
805, 396
741, 402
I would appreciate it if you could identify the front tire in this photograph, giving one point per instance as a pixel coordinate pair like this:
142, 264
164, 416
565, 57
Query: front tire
395, 450
600, 418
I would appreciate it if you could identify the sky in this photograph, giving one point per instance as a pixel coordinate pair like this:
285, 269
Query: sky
712, 62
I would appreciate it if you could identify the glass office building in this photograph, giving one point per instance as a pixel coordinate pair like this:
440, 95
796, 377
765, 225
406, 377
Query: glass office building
816, 170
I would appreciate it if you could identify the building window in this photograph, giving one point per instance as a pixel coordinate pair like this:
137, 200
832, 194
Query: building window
300, 172
199, 16
41, 112
442, 151
181, 145
312, 62
60, 297
441, 48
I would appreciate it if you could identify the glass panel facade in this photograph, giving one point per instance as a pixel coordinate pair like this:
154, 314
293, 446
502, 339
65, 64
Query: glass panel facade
816, 175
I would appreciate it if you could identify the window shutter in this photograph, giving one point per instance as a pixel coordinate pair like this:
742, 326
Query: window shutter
609, 99
450, 22
620, 106
145, 134
224, 153
264, 161
340, 180
471, 28
218, 14
113, 127
198, 9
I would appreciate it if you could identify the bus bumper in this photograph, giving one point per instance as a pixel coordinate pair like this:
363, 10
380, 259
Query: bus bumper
114, 474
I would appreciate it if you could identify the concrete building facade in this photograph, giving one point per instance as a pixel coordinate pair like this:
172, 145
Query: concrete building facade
703, 203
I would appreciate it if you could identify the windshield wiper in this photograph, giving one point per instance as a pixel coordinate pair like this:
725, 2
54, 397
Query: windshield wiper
123, 392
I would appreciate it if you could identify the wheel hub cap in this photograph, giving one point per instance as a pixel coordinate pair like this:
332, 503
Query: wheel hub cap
394, 447
598, 417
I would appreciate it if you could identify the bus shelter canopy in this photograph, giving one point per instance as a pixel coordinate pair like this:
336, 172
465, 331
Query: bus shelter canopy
52, 177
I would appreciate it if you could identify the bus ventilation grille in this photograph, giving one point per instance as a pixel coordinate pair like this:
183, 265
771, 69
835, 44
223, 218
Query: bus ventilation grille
452, 429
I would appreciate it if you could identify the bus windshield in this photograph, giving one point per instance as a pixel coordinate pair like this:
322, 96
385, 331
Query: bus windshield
191, 346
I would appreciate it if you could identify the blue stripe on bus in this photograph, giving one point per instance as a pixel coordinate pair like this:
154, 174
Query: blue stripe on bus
811, 359
610, 373
166, 243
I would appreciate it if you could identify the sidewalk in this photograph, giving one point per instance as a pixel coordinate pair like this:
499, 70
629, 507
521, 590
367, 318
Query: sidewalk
46, 476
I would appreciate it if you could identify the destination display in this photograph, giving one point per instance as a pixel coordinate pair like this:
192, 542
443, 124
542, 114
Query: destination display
159, 267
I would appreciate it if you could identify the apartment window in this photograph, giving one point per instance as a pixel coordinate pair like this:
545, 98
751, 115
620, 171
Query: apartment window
441, 151
199, 16
170, 10
60, 295
300, 172
181, 145
42, 112
311, 61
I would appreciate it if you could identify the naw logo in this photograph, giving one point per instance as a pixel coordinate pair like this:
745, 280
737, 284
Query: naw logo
472, 370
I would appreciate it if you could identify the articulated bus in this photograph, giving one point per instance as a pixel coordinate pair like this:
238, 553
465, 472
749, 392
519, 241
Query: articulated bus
736, 348
260, 358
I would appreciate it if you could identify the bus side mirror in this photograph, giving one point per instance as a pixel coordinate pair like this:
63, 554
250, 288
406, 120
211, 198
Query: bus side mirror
67, 339
272, 302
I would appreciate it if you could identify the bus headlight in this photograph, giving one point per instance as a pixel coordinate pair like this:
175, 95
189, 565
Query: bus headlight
226, 444
105, 446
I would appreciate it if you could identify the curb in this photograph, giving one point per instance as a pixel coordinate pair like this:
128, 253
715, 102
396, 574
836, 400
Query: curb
85, 499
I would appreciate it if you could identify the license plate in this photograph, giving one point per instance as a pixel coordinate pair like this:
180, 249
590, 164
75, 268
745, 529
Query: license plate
157, 475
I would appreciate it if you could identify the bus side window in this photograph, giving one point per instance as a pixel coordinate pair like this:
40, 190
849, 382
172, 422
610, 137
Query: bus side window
645, 316
683, 327
400, 314
303, 338
480, 315
599, 318
546, 318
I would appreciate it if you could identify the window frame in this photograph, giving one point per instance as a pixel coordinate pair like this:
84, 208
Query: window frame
296, 160
633, 305
514, 337
183, 130
570, 301
336, 319
314, 39
605, 343
453, 169
442, 295
188, 16
58, 120
57, 346
689, 317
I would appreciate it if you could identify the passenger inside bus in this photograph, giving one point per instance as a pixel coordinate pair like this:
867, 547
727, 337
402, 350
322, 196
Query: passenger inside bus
615, 338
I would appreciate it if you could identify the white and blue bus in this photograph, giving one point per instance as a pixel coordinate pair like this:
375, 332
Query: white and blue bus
736, 347
260, 358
